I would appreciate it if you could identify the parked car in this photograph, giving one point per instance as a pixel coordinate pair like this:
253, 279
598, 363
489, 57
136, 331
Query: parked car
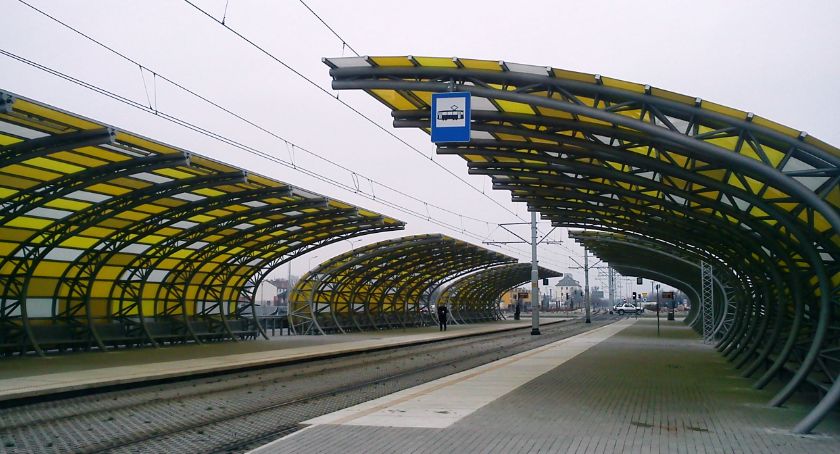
627, 308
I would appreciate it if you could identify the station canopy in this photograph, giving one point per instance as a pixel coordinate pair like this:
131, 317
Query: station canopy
108, 238
755, 199
661, 262
389, 284
475, 297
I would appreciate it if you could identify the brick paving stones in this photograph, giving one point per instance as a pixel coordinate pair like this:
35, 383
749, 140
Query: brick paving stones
633, 393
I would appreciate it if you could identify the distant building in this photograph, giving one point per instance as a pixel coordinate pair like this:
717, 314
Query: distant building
282, 286
569, 292
522, 294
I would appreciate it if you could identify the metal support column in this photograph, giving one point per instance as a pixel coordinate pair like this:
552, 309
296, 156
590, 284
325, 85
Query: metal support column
707, 305
611, 286
535, 276
586, 283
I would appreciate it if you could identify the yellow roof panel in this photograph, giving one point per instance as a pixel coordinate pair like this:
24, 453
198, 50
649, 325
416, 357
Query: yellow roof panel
436, 62
515, 107
480, 64
29, 172
8, 140
52, 164
78, 159
31, 223
728, 111
174, 173
573, 75
104, 154
391, 61
623, 85
394, 99
145, 143
108, 189
54, 115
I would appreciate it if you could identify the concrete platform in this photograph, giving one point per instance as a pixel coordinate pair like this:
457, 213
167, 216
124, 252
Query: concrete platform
35, 376
619, 388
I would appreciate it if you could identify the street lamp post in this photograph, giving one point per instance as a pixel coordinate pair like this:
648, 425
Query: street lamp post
309, 264
352, 245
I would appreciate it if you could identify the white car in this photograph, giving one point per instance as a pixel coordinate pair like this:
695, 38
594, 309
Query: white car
628, 308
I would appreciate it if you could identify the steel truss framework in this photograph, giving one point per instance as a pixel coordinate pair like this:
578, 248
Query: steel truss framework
476, 297
389, 284
707, 302
754, 197
110, 239
645, 256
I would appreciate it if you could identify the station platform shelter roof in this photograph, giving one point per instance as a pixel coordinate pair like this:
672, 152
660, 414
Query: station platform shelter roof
476, 297
388, 284
108, 238
755, 200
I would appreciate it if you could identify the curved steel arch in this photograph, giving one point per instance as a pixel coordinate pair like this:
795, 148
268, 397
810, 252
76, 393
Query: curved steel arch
337, 292
676, 282
631, 246
596, 241
780, 359
94, 217
475, 297
79, 277
709, 164
388, 283
178, 283
329, 224
357, 272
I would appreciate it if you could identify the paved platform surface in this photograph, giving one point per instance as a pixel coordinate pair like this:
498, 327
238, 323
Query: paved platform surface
619, 388
35, 376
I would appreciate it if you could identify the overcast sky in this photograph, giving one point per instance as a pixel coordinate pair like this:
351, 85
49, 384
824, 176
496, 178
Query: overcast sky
778, 59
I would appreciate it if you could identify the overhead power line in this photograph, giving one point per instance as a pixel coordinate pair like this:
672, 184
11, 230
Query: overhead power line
353, 109
157, 75
153, 109
343, 41
234, 143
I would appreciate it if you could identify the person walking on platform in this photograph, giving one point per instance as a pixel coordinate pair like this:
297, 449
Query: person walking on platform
443, 316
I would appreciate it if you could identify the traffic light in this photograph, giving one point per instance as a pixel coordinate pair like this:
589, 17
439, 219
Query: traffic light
634, 296
639, 281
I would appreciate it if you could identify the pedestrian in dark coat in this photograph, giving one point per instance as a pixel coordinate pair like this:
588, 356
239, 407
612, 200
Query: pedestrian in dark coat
443, 316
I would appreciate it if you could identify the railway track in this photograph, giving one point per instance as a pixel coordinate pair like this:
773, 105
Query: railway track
235, 412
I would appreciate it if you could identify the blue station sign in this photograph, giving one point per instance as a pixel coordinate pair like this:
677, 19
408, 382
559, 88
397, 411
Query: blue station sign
451, 117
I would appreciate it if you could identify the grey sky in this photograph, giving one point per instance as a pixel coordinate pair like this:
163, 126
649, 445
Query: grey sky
777, 59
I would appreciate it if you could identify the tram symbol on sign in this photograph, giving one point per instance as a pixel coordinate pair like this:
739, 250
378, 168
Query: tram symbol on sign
450, 117
454, 113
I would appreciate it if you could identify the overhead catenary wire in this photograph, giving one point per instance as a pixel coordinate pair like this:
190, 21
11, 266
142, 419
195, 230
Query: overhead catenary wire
224, 15
220, 137
231, 142
289, 144
344, 44
343, 41
345, 104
